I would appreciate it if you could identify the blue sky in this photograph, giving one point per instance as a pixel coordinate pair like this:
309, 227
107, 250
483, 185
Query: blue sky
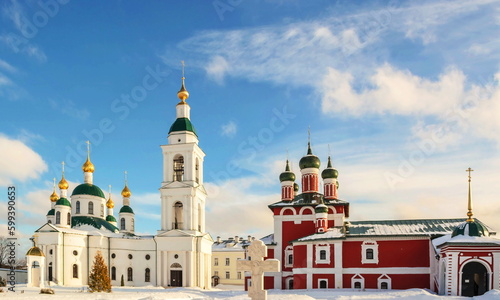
404, 95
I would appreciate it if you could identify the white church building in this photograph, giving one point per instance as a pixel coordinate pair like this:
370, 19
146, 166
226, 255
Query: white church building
80, 224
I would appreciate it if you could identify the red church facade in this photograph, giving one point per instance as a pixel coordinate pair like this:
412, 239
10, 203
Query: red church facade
319, 248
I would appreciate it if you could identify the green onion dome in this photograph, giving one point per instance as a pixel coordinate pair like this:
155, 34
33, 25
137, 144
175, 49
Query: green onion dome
63, 201
287, 175
126, 209
471, 228
329, 172
295, 187
310, 160
88, 189
51, 212
321, 208
182, 124
110, 218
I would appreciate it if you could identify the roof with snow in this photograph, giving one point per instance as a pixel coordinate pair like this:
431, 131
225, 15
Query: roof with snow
425, 227
230, 245
268, 239
381, 228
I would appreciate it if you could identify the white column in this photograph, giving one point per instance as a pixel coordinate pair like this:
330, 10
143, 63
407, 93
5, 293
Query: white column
337, 259
309, 266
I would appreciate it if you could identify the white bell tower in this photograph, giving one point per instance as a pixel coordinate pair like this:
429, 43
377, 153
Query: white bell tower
182, 192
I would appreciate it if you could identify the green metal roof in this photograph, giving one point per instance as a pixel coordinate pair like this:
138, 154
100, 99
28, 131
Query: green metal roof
97, 223
88, 189
110, 218
126, 209
471, 229
63, 201
182, 124
51, 212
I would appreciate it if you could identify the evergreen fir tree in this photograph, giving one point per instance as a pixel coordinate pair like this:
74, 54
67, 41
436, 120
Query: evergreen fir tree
99, 279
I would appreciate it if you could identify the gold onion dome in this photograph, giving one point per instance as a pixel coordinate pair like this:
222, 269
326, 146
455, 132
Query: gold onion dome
63, 184
88, 166
110, 203
54, 197
183, 94
126, 192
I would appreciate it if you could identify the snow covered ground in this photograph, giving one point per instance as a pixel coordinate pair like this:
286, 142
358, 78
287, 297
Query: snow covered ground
154, 293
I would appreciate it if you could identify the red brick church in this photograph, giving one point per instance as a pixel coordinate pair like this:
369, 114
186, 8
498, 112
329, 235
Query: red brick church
318, 248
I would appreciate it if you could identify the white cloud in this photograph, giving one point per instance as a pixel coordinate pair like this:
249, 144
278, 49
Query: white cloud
70, 109
19, 162
392, 91
234, 208
217, 68
7, 67
229, 129
21, 43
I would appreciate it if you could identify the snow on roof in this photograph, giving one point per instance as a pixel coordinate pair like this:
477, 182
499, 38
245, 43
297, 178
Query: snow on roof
464, 239
331, 233
230, 245
423, 227
268, 239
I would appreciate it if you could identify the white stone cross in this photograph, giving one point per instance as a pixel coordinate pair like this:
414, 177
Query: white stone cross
257, 266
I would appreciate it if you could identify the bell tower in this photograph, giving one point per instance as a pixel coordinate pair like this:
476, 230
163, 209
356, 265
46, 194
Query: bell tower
182, 192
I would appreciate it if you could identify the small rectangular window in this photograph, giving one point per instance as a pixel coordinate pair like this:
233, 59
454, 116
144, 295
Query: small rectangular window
227, 261
239, 275
216, 261
227, 275
216, 273
369, 253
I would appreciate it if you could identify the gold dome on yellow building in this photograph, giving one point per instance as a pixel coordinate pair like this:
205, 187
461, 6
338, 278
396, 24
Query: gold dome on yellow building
126, 192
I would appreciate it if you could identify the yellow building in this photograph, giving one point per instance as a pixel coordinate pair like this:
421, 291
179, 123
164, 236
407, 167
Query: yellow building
225, 253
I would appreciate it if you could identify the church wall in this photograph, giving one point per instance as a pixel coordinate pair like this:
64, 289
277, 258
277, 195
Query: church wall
329, 277
299, 256
299, 281
391, 253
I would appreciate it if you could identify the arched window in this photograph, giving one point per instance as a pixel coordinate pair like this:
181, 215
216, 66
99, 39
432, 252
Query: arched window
91, 208
357, 285
200, 219
178, 216
290, 259
49, 222
58, 217
102, 210
178, 167
122, 224
68, 222
132, 224
77, 211
384, 285
147, 275
75, 271
197, 170
113, 273
322, 254
129, 274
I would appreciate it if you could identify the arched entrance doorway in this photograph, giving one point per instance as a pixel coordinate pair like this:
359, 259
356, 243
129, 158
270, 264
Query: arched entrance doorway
175, 275
474, 279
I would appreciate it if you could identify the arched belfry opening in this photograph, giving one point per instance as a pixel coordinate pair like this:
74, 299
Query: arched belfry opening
197, 170
475, 279
178, 168
178, 215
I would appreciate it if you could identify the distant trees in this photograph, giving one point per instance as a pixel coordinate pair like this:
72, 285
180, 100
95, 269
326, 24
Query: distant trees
99, 280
